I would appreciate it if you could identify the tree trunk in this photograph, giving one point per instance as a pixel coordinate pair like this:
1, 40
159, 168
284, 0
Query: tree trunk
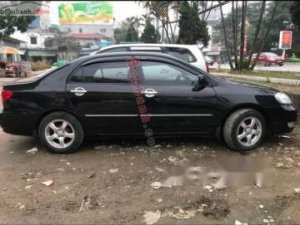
234, 25
242, 44
262, 11
171, 28
228, 53
262, 44
157, 30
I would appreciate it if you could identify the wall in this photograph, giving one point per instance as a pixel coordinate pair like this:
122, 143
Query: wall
41, 36
90, 28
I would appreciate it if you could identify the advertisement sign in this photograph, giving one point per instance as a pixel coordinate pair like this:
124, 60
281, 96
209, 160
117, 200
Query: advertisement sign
285, 39
85, 13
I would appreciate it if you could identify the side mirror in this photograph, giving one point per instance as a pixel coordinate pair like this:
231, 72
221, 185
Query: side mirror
201, 84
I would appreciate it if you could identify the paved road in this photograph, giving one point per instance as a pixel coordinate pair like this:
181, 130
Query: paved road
287, 67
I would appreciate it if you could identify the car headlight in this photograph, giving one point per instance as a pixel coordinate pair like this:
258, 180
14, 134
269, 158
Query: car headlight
283, 98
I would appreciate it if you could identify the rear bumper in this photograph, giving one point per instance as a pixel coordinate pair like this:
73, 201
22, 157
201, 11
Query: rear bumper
284, 121
18, 124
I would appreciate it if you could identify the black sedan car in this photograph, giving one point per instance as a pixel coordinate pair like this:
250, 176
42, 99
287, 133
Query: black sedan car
141, 94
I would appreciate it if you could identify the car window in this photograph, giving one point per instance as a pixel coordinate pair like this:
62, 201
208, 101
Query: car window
107, 72
181, 53
161, 73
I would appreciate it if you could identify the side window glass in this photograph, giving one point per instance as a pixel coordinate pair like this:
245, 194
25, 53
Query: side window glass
166, 74
92, 73
181, 53
77, 75
107, 72
115, 72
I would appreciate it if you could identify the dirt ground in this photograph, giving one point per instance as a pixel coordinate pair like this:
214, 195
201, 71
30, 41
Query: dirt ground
122, 182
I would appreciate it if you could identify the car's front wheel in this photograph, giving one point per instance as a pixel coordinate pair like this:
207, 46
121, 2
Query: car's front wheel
244, 129
60, 132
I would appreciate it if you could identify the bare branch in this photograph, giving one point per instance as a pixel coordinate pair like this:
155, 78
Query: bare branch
262, 44
225, 37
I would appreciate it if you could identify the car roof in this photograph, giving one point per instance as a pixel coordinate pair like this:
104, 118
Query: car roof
144, 45
124, 54
147, 45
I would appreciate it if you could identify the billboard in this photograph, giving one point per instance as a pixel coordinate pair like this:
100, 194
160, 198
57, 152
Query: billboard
285, 39
85, 13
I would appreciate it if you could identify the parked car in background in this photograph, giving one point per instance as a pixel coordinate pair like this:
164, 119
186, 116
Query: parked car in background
11, 63
269, 58
94, 96
189, 53
209, 60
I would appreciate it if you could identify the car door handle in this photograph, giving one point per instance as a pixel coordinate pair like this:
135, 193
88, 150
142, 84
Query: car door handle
79, 91
149, 92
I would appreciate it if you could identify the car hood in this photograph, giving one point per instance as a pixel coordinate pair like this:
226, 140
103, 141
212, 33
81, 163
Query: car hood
244, 86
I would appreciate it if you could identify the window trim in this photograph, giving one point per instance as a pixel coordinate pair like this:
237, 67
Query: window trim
108, 50
86, 63
164, 49
165, 62
35, 38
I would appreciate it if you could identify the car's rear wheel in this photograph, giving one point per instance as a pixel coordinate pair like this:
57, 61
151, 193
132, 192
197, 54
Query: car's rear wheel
244, 130
60, 132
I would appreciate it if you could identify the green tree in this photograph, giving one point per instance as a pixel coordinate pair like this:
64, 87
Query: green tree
62, 44
162, 10
10, 23
261, 21
282, 15
191, 28
133, 24
132, 34
149, 34
295, 13
120, 33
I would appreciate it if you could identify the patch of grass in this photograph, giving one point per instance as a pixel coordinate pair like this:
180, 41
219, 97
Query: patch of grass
260, 73
293, 59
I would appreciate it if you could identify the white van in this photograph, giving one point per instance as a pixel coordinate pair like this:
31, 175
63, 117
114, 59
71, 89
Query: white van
188, 53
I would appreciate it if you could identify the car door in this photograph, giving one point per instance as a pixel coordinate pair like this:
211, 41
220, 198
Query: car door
102, 96
171, 101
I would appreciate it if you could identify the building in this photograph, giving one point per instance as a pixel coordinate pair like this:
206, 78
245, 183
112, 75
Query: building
8, 47
10, 42
106, 31
33, 40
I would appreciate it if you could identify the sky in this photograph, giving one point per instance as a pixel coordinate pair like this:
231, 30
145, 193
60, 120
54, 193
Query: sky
121, 10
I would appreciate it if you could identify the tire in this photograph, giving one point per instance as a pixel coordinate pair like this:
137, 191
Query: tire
65, 130
234, 126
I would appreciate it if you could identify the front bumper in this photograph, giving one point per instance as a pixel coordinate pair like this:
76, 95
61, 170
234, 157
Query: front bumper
283, 120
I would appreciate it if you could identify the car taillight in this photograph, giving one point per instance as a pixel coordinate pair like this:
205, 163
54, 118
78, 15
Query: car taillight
6, 95
207, 67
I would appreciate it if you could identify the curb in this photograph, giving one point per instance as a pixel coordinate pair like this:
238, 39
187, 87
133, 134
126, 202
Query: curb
274, 80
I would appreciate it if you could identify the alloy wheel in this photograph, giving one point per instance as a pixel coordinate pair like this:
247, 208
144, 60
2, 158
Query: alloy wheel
60, 133
249, 131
